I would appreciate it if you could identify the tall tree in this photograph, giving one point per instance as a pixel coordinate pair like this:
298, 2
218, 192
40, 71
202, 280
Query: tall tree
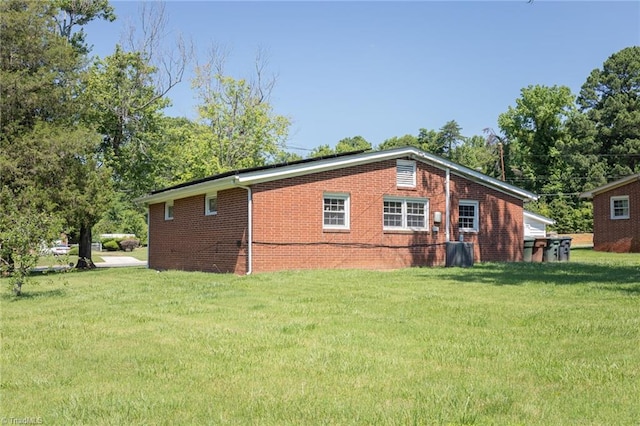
242, 129
356, 143
46, 154
448, 139
534, 128
610, 98
72, 15
396, 142
476, 153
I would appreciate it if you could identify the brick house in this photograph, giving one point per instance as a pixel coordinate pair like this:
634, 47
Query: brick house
373, 210
616, 215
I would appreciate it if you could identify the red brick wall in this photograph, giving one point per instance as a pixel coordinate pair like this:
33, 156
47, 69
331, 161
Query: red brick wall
501, 223
620, 235
193, 241
288, 231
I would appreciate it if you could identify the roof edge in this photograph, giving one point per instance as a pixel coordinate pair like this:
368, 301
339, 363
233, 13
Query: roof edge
609, 186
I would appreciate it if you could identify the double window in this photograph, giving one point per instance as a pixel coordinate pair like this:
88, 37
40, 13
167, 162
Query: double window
335, 211
405, 213
468, 216
620, 207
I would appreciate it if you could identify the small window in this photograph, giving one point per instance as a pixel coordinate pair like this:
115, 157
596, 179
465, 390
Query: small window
406, 173
468, 216
620, 207
211, 205
168, 210
335, 211
408, 214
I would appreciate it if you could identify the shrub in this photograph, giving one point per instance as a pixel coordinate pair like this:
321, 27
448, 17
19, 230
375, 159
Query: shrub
129, 244
110, 245
73, 251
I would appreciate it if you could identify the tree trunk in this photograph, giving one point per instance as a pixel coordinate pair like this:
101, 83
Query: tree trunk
84, 248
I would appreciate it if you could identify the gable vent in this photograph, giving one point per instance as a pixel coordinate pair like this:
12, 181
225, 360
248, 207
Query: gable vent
406, 173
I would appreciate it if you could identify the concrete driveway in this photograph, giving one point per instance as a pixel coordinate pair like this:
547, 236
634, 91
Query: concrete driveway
119, 262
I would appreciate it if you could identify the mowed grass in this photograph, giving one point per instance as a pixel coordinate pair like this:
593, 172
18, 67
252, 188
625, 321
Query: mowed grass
493, 344
52, 261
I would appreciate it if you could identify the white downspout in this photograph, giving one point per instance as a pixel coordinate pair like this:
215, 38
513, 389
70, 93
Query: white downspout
148, 234
249, 229
447, 206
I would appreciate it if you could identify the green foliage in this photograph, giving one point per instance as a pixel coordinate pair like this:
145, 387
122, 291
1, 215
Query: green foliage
73, 251
534, 128
123, 104
122, 217
610, 99
477, 154
397, 142
321, 151
74, 13
238, 128
356, 143
24, 230
111, 245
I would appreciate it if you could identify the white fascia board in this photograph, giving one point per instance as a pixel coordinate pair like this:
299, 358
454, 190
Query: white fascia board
371, 157
609, 186
475, 176
538, 217
319, 166
188, 191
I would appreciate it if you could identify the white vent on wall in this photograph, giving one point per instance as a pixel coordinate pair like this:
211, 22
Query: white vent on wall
406, 173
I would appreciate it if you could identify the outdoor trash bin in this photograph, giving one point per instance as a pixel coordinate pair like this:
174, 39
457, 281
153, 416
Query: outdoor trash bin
539, 246
552, 250
565, 249
527, 254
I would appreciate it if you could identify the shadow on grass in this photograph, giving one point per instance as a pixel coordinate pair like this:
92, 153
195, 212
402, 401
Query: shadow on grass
34, 293
561, 273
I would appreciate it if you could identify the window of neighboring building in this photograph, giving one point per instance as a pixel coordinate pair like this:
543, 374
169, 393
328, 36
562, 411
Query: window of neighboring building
620, 207
211, 204
406, 173
168, 210
468, 216
335, 211
405, 213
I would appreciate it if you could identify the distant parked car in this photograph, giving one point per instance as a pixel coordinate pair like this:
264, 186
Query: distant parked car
58, 249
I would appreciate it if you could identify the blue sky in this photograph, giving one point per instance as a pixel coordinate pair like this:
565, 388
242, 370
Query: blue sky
384, 69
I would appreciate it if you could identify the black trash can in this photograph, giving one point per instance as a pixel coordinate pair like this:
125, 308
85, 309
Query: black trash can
459, 254
527, 254
552, 250
564, 251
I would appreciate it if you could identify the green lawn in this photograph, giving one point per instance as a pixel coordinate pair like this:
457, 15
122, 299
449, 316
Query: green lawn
97, 257
494, 344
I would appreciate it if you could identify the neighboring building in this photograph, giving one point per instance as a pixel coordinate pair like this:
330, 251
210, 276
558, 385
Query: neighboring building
535, 225
372, 210
616, 215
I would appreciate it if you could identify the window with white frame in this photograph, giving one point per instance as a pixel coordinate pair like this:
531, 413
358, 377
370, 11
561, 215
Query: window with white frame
405, 213
620, 207
168, 210
335, 211
468, 216
211, 204
406, 173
